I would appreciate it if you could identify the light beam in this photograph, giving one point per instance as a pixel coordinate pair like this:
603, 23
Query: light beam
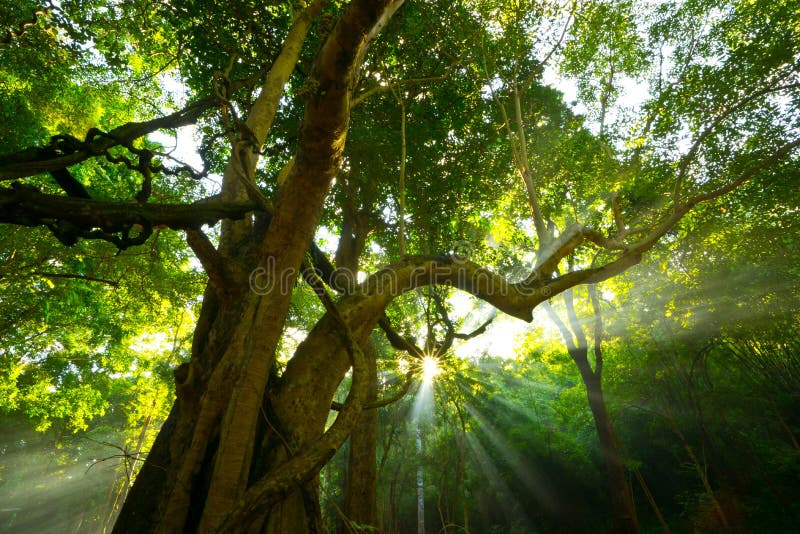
430, 369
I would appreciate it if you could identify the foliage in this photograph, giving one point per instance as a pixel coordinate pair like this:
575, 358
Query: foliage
701, 340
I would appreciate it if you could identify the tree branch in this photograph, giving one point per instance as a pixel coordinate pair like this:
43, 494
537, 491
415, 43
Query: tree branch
598, 330
213, 262
566, 335
746, 175
687, 159
34, 161
525, 172
105, 281
338, 406
362, 96
553, 50
26, 206
23, 26
478, 331
397, 341
574, 322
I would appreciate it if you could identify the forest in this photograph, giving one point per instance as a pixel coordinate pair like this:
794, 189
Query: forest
352, 266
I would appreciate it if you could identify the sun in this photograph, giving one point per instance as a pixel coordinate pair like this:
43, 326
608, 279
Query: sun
430, 369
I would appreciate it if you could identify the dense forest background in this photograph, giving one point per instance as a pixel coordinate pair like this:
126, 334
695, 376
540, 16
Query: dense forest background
462, 145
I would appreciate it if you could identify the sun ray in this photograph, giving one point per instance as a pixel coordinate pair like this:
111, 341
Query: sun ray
430, 369
536, 482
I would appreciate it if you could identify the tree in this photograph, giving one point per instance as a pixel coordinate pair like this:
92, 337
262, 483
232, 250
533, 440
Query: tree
243, 444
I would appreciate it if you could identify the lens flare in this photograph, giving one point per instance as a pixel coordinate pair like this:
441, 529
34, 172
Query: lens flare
430, 369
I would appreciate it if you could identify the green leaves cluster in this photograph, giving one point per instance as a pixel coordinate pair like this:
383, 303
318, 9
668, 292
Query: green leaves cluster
88, 337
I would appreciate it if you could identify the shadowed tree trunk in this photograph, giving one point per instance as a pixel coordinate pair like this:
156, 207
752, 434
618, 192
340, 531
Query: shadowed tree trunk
360, 504
420, 485
621, 499
623, 508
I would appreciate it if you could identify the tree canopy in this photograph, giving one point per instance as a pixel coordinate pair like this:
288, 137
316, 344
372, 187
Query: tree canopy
234, 236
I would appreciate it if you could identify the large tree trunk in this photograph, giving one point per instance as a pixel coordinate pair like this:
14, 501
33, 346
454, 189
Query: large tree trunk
360, 505
218, 464
291, 420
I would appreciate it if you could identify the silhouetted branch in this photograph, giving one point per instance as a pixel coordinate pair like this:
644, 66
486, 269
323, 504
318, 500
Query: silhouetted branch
65, 151
23, 26
337, 406
111, 283
26, 206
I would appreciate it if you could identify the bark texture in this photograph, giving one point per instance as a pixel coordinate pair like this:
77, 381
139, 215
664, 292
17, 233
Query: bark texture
360, 504
208, 452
